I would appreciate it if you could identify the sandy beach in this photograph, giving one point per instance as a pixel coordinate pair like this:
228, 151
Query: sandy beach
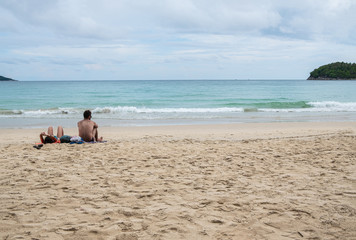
228, 181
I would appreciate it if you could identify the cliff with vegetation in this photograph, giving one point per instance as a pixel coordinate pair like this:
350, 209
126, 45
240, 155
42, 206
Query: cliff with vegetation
334, 71
6, 79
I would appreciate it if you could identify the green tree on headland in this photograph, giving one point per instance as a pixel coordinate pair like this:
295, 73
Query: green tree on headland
334, 71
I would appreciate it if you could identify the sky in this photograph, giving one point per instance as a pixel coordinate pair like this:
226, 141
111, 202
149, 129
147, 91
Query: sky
173, 39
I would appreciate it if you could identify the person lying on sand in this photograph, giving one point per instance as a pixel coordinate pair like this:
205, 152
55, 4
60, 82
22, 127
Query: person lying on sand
88, 130
49, 137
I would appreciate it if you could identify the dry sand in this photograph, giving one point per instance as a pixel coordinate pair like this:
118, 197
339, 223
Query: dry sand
239, 181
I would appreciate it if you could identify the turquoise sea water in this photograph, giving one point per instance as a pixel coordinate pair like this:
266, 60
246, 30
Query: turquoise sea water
122, 103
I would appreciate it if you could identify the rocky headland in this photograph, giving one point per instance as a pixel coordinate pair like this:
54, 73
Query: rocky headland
6, 79
334, 71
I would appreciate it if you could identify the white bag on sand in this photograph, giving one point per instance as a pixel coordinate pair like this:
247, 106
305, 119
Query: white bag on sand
76, 139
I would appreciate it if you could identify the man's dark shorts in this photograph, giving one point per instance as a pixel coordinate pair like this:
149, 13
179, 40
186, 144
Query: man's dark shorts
65, 139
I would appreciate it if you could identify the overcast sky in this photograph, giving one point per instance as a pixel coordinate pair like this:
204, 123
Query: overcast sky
173, 39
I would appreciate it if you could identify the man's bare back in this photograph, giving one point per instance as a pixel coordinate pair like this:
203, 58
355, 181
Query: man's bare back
88, 129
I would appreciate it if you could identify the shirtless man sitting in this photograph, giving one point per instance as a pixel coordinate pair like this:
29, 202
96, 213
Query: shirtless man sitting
88, 130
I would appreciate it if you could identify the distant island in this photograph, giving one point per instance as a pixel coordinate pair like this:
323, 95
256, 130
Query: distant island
334, 71
6, 79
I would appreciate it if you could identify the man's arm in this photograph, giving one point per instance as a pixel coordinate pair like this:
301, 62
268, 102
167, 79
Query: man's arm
41, 136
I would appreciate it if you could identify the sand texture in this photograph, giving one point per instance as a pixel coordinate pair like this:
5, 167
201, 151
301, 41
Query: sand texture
212, 183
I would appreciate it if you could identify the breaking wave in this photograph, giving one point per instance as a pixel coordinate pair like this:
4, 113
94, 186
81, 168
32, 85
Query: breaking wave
164, 110
133, 112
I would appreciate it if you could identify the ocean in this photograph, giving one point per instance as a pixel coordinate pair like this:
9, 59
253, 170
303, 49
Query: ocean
37, 104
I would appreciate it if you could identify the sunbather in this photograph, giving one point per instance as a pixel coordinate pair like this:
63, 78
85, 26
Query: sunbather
88, 129
49, 137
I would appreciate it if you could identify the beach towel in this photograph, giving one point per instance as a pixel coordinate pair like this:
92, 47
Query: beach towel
72, 140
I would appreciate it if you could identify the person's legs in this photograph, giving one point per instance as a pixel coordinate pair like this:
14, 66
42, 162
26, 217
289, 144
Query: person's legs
60, 131
50, 131
95, 134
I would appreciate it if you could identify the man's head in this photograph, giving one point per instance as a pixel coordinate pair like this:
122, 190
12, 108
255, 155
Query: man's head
48, 139
87, 114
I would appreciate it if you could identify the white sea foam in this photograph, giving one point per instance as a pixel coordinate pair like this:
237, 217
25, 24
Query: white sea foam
132, 112
325, 106
58, 112
128, 109
335, 106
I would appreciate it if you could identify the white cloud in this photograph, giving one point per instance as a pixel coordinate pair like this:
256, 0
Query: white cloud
332, 19
111, 19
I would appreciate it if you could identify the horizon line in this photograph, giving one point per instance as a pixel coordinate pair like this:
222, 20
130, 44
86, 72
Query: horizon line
200, 79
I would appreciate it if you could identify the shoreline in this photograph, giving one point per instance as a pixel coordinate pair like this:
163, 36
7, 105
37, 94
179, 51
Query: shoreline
240, 118
238, 131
